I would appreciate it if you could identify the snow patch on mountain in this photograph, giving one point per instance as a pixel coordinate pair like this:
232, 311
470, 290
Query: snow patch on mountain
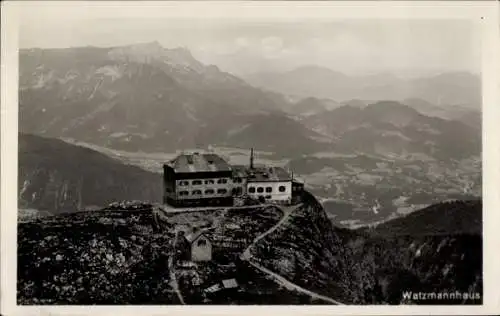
395, 134
178, 58
114, 72
237, 130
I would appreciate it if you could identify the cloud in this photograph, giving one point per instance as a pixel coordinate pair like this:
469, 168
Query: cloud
370, 45
242, 42
272, 44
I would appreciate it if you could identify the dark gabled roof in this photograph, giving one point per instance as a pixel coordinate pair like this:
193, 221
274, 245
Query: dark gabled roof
197, 162
272, 174
261, 173
191, 238
239, 171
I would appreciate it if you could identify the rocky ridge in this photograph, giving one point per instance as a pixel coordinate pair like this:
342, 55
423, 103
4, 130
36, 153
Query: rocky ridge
352, 267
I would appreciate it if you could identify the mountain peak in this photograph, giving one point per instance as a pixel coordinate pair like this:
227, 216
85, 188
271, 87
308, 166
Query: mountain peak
140, 52
154, 51
182, 55
181, 50
147, 45
390, 105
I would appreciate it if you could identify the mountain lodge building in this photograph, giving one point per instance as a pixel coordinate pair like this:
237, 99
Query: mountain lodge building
206, 179
198, 179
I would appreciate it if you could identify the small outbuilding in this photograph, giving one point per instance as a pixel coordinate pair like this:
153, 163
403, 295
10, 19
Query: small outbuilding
200, 246
224, 285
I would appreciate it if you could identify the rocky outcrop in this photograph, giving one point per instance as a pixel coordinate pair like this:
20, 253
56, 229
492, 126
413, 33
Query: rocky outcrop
387, 268
113, 256
430, 251
101, 257
307, 251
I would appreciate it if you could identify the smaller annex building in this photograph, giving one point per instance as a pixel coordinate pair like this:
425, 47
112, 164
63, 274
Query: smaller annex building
270, 183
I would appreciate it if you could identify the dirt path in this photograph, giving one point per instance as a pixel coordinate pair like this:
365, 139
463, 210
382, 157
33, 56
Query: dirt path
286, 211
173, 278
278, 278
292, 286
171, 210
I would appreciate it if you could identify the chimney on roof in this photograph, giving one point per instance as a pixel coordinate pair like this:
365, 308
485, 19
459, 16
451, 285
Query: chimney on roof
251, 158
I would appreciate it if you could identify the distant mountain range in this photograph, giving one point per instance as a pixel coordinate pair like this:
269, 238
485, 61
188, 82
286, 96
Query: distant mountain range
145, 97
311, 105
138, 97
391, 127
453, 88
304, 107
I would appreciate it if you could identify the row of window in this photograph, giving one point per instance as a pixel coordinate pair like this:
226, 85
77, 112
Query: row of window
281, 188
200, 182
236, 191
199, 192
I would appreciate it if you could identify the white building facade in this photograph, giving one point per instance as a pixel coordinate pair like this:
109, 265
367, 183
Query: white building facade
279, 191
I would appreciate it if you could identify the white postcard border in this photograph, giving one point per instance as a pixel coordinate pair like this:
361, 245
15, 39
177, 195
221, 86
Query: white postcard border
485, 12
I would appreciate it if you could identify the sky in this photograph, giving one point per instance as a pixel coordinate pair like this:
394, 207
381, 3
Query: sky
255, 45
